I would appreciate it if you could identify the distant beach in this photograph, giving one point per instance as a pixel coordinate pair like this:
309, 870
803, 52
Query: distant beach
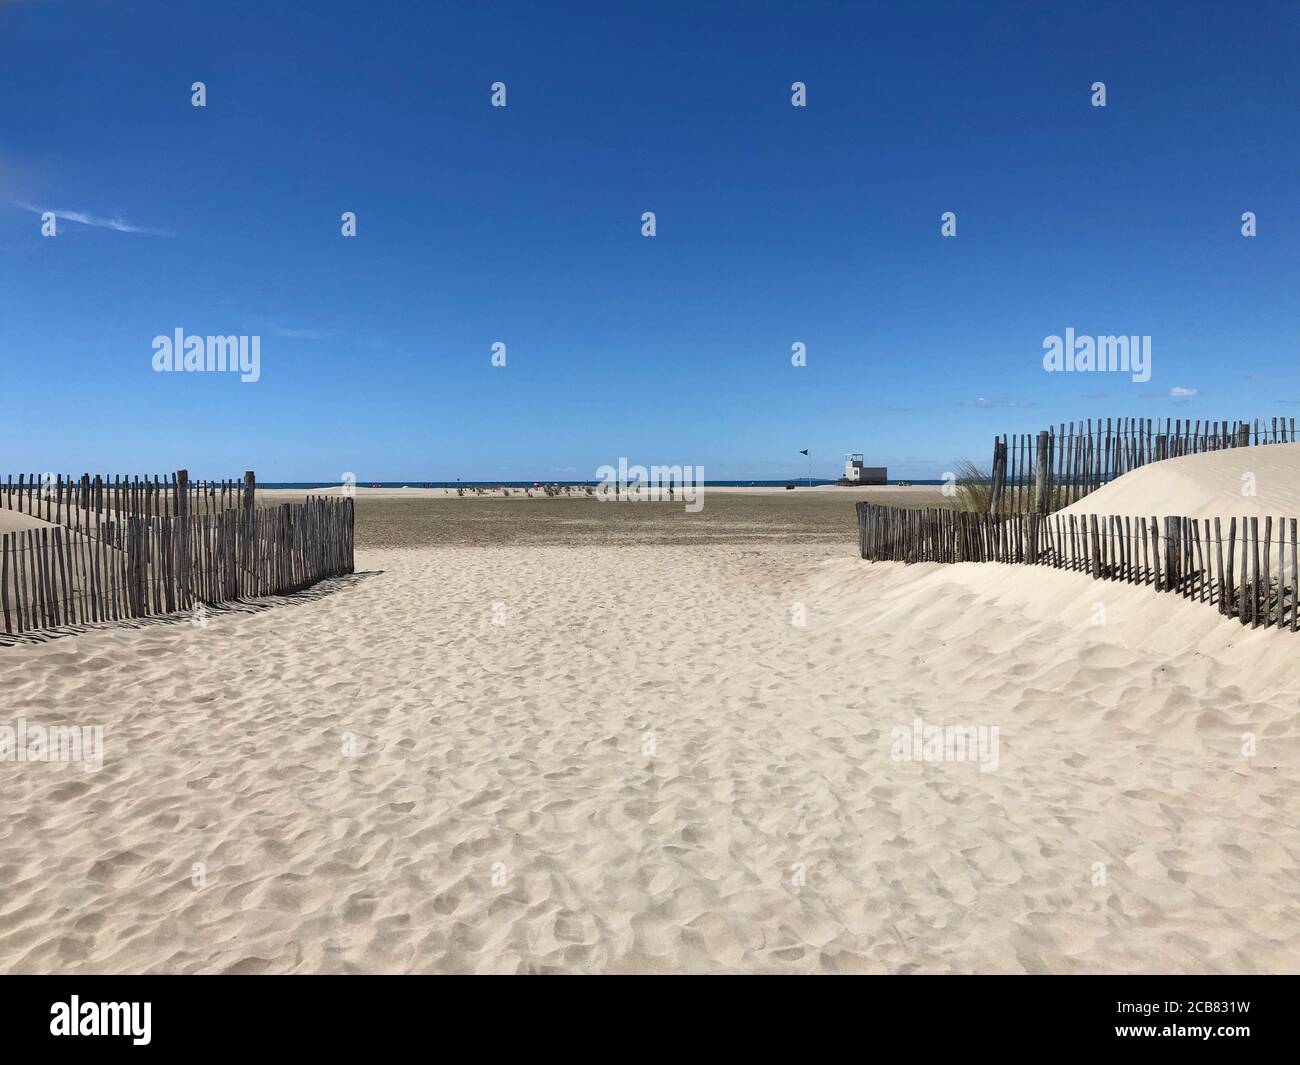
798, 482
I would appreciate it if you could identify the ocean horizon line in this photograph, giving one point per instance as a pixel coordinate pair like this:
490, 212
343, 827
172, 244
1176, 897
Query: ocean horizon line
798, 482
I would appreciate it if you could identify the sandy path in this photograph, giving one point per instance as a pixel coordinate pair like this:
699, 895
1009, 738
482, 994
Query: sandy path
526, 744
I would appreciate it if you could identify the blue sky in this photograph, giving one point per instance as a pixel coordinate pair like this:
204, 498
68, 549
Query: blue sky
523, 225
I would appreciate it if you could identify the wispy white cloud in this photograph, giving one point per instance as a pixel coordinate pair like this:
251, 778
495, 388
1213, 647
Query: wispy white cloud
85, 218
301, 334
1177, 392
985, 403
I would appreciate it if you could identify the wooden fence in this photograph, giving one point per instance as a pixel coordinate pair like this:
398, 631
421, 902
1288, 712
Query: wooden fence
1049, 470
59, 497
1236, 569
135, 551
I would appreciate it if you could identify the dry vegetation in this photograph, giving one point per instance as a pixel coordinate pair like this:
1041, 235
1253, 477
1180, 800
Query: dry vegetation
974, 488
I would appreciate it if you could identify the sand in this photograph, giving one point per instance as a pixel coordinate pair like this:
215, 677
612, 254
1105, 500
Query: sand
899, 495
17, 521
427, 517
1250, 481
583, 748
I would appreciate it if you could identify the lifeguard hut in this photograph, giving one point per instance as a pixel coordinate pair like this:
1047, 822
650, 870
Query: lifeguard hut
856, 473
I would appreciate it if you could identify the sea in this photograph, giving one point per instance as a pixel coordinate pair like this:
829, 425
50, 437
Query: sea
311, 485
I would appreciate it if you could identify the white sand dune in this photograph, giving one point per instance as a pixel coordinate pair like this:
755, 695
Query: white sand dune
630, 770
19, 521
1250, 481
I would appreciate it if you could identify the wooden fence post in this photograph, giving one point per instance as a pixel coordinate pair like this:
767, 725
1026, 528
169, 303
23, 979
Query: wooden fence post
1173, 554
998, 478
136, 530
244, 534
1043, 472
183, 533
